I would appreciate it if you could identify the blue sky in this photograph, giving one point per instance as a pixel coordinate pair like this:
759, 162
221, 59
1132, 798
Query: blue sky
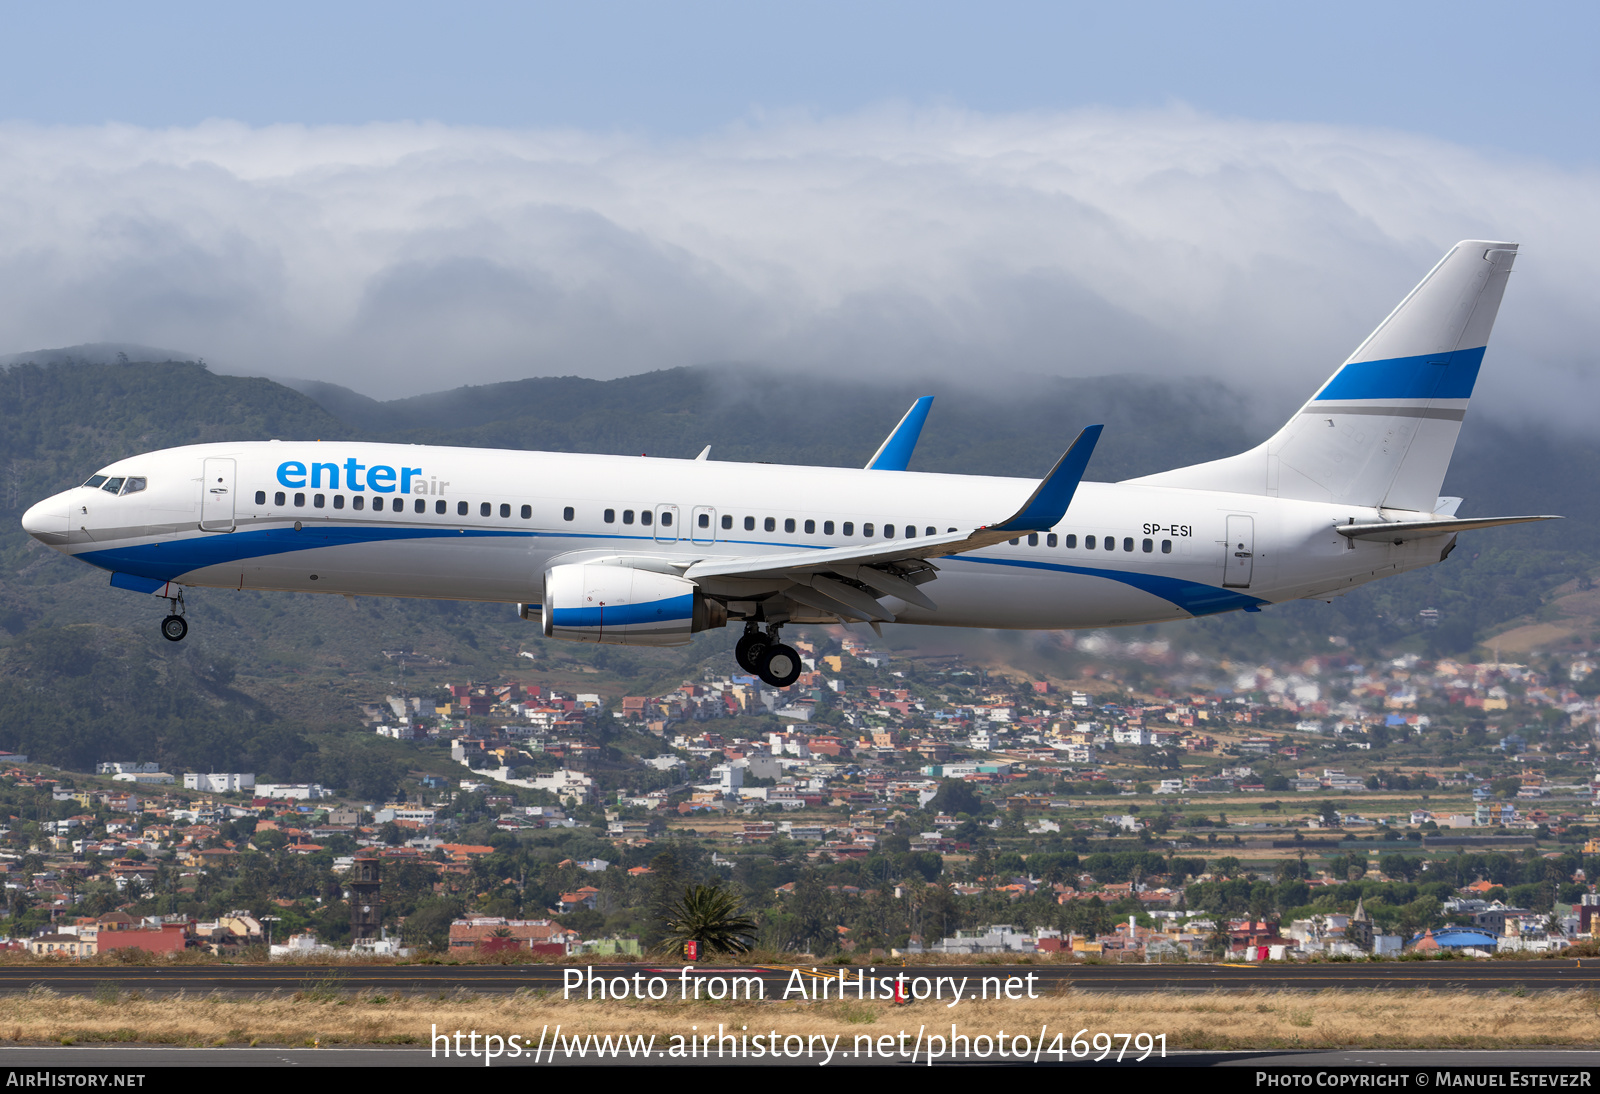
1521, 77
400, 197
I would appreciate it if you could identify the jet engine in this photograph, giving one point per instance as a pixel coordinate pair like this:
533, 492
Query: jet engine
620, 605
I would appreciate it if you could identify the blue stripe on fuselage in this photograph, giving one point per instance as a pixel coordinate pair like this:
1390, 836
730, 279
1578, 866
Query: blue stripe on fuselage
1430, 376
1192, 596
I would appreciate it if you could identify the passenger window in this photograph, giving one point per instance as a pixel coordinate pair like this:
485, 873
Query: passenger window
866, 529
338, 501
770, 524
1149, 545
299, 500
568, 513
627, 516
112, 486
1033, 539
505, 510
930, 530
705, 520
278, 498
1088, 543
1014, 542
788, 524
527, 512
1050, 540
133, 486
358, 502
1127, 543
666, 519
645, 516
811, 527
727, 521
849, 528
1166, 546
1110, 543
419, 506
749, 524
440, 507
261, 497
461, 508
319, 501
609, 516
827, 527
911, 531
377, 504
484, 509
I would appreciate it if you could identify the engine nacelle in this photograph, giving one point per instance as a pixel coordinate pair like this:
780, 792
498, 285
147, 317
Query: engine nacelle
591, 602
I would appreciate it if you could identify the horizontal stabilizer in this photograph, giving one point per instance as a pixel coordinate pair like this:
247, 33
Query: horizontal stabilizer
1400, 531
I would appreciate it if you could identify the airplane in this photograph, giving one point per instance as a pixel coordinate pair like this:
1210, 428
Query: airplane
650, 551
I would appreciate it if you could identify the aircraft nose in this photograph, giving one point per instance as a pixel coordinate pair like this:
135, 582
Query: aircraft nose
47, 521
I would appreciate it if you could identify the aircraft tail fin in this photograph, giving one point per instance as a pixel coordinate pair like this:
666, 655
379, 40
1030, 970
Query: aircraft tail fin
1381, 431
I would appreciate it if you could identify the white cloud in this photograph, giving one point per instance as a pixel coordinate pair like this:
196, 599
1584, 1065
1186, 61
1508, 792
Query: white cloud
405, 258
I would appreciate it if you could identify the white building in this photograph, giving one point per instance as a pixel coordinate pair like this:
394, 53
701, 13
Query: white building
291, 791
219, 783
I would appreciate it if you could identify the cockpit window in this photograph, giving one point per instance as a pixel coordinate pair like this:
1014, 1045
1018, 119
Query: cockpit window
95, 480
112, 486
133, 486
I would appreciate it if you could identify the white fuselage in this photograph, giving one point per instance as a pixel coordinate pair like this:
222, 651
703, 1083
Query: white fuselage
476, 524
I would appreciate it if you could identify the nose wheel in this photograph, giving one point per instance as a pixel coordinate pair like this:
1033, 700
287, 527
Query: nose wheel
175, 626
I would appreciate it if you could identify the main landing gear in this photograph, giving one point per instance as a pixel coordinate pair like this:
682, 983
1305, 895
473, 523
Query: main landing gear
776, 664
174, 627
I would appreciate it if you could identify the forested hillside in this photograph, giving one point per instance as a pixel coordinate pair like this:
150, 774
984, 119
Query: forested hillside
82, 670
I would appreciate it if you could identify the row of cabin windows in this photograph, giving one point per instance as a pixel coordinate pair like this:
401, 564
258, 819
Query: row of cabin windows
398, 505
646, 517
1108, 543
770, 524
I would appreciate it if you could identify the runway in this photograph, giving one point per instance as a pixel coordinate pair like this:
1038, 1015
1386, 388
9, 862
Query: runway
1011, 979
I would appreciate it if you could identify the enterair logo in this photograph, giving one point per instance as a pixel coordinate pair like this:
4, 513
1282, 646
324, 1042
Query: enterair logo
379, 478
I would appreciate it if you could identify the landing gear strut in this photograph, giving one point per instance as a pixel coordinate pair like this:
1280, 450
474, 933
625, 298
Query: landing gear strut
175, 626
777, 665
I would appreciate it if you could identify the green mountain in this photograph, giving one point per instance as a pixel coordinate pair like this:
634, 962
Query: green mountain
298, 662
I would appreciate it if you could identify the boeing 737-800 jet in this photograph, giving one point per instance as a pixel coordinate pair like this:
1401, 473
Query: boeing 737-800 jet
639, 551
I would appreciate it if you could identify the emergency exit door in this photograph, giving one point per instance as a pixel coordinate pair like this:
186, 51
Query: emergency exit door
216, 496
1239, 552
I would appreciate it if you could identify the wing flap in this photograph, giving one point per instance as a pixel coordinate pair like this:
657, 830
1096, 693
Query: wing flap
1043, 510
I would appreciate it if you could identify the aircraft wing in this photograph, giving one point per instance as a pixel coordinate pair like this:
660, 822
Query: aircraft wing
1399, 531
849, 580
894, 454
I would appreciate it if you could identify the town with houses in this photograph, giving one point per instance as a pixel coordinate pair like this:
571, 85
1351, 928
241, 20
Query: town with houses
1153, 806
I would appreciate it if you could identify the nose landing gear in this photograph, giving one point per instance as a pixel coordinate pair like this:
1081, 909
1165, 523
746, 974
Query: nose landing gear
174, 627
777, 665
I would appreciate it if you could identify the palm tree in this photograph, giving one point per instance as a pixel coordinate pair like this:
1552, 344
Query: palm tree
712, 916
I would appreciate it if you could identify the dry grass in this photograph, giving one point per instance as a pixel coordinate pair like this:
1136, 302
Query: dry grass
322, 1014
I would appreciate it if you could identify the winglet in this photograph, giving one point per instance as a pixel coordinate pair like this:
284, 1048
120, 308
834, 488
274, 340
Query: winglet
894, 454
1049, 502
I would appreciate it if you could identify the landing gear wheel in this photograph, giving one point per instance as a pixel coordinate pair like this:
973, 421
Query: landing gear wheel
780, 666
174, 627
749, 650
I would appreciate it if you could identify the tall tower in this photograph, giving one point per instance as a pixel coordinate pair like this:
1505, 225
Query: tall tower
366, 917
